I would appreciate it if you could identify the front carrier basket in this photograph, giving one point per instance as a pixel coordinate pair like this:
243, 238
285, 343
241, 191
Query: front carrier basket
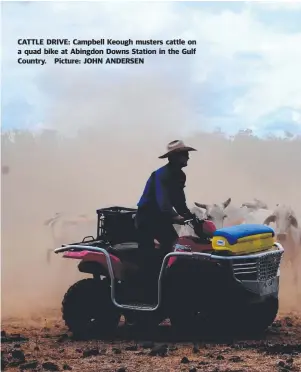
243, 239
116, 225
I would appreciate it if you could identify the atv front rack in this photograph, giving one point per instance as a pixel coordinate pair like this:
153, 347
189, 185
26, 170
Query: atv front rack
143, 307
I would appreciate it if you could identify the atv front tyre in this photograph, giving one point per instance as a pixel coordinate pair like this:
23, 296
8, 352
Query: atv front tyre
251, 320
88, 310
261, 316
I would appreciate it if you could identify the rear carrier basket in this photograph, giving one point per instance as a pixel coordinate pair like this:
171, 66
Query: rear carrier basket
116, 225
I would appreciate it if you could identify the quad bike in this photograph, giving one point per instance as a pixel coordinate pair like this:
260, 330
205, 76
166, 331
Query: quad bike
225, 279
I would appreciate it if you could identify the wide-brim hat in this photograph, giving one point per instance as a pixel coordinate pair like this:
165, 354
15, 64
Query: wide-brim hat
176, 146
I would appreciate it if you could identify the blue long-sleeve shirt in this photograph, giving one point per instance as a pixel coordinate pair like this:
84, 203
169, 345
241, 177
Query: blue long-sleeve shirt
164, 191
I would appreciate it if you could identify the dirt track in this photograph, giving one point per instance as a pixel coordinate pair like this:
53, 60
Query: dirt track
47, 346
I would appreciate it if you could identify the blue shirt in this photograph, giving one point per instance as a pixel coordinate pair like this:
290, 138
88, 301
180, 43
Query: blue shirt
164, 190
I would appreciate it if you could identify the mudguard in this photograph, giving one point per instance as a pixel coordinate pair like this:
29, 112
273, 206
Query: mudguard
93, 261
192, 244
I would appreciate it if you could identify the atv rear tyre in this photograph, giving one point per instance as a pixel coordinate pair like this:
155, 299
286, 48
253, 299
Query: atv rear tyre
88, 310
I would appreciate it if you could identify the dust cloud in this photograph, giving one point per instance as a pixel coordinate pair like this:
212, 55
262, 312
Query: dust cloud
104, 141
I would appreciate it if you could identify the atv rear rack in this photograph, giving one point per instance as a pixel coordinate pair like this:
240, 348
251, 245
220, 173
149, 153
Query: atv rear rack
143, 307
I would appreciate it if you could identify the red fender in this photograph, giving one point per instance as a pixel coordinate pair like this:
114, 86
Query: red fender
99, 258
191, 243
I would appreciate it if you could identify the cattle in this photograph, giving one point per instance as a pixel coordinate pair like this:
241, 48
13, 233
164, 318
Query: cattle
288, 233
217, 213
254, 216
255, 205
68, 228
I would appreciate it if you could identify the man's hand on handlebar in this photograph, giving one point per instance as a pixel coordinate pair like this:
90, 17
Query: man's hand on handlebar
179, 220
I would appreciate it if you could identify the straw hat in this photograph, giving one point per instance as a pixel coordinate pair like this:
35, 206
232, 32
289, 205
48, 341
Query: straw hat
176, 146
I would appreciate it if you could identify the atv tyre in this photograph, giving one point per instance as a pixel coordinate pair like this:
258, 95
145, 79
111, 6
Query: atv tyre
261, 316
252, 320
88, 310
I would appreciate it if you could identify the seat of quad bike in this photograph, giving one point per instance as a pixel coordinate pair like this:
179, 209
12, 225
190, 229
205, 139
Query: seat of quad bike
128, 255
125, 251
238, 233
125, 247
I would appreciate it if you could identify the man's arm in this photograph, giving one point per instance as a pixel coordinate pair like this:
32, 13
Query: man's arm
162, 195
180, 198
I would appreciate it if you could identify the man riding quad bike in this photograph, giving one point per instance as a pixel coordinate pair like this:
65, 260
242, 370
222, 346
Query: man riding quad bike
161, 205
226, 279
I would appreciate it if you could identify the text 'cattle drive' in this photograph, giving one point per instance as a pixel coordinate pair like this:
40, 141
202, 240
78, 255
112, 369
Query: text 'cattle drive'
227, 276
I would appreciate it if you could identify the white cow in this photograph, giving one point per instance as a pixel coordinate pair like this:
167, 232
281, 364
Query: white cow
220, 214
288, 233
255, 204
254, 212
217, 213
69, 228
254, 216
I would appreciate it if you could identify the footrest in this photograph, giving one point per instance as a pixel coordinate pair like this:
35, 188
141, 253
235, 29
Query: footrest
140, 306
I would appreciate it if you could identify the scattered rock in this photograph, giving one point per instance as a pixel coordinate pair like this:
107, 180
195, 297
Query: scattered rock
132, 348
147, 345
281, 348
236, 359
63, 337
290, 360
203, 363
121, 369
185, 360
193, 369
29, 365
285, 366
195, 349
116, 350
90, 352
16, 337
17, 346
274, 331
14, 363
18, 354
159, 350
277, 324
49, 366
288, 321
66, 367
269, 348
78, 350
3, 363
36, 348
220, 357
